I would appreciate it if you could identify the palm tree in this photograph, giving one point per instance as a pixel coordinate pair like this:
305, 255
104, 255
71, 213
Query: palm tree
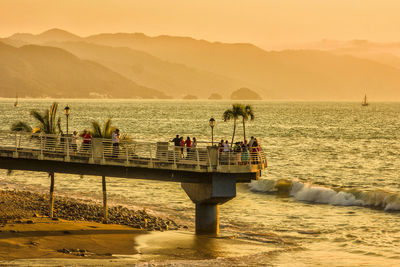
47, 122
248, 112
97, 132
234, 113
21, 127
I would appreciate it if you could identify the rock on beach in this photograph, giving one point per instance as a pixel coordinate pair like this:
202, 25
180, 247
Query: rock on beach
16, 205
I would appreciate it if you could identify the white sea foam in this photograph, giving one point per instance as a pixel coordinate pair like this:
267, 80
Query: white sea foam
318, 194
302, 191
263, 185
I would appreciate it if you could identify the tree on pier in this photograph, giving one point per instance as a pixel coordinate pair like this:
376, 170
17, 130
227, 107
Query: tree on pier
47, 120
248, 113
234, 113
106, 132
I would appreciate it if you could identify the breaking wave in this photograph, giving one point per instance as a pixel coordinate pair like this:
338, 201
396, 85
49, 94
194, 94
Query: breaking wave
303, 191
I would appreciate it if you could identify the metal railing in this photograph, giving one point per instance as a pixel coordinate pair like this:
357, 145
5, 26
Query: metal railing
203, 158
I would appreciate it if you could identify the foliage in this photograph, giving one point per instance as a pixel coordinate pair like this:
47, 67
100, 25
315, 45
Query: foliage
21, 127
237, 111
248, 113
47, 122
234, 113
97, 132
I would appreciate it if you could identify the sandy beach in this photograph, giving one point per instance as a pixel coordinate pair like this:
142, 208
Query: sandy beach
29, 237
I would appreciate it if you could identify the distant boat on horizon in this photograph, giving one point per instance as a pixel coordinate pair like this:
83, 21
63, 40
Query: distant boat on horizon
365, 103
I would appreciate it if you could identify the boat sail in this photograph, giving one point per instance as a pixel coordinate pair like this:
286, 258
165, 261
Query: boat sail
16, 101
365, 103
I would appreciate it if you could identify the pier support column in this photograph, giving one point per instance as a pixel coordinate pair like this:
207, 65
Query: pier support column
51, 202
207, 219
208, 196
105, 209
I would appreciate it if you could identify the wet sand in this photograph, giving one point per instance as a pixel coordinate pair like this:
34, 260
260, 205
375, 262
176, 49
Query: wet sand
29, 237
43, 241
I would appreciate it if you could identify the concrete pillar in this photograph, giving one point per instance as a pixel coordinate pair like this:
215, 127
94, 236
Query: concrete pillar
207, 196
105, 208
207, 219
51, 202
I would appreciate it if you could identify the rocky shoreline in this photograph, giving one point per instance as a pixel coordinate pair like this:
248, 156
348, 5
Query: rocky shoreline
17, 205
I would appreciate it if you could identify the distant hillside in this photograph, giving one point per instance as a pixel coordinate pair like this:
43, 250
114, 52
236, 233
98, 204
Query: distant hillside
297, 74
37, 71
47, 36
289, 74
148, 70
245, 94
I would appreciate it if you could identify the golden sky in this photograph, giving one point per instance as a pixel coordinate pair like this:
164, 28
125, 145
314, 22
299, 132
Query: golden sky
262, 22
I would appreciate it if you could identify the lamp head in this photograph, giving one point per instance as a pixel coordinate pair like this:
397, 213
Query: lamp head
212, 122
67, 110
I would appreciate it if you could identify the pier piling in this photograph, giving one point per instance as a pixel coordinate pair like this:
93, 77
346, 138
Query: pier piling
51, 204
208, 197
105, 209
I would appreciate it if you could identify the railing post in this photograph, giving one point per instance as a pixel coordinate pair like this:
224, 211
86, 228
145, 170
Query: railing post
229, 160
41, 146
209, 161
127, 155
91, 158
173, 149
15, 154
67, 158
198, 159
151, 158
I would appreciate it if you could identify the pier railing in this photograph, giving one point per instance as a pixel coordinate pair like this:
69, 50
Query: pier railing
160, 155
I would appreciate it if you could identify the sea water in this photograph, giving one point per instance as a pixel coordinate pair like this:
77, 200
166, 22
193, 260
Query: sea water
331, 189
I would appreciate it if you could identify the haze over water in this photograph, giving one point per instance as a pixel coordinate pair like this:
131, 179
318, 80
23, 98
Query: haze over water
339, 160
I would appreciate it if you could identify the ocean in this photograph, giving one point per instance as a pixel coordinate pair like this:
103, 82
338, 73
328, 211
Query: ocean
331, 191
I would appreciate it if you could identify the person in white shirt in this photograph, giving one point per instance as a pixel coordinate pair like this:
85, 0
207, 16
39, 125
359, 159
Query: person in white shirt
226, 146
115, 142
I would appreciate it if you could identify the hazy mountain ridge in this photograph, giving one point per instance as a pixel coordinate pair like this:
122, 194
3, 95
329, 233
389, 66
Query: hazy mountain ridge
173, 78
288, 74
39, 71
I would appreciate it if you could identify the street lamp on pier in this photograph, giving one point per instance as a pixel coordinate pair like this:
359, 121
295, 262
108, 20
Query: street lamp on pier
212, 124
67, 110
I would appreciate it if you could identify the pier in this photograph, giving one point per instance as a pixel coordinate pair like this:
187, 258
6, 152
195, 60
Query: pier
207, 175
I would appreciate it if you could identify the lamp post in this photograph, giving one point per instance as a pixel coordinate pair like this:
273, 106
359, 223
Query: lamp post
212, 124
67, 110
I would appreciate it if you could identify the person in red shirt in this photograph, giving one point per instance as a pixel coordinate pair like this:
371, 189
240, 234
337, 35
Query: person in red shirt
86, 140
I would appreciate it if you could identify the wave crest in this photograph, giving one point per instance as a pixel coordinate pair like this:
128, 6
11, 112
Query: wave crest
302, 191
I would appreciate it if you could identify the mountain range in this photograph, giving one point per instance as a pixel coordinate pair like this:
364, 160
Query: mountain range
140, 66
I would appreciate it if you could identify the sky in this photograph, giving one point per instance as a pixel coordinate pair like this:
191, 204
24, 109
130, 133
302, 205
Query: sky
261, 22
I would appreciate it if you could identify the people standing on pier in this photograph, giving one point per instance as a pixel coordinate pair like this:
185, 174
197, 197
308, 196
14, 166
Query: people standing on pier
176, 140
86, 141
115, 139
221, 146
74, 141
194, 143
226, 146
251, 142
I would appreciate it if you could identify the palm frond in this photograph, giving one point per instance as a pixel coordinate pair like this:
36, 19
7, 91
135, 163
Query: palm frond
39, 117
95, 131
228, 115
21, 127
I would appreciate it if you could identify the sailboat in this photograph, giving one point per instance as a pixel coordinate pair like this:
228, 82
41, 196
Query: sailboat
365, 103
16, 101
